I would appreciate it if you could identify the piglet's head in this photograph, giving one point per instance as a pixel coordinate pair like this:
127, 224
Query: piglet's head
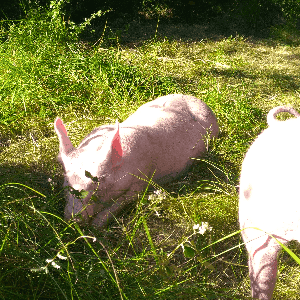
87, 166
115, 152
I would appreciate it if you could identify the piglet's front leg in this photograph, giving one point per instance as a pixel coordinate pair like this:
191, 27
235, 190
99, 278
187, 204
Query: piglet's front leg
108, 214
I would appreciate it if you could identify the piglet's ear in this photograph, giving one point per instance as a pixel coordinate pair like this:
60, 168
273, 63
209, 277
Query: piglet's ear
65, 145
116, 148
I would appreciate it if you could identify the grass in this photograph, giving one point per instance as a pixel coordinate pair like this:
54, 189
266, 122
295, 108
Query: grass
152, 250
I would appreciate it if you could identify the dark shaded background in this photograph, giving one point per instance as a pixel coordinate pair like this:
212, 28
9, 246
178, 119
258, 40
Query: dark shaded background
249, 15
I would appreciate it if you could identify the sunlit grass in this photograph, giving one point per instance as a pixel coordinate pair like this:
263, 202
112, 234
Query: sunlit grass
154, 250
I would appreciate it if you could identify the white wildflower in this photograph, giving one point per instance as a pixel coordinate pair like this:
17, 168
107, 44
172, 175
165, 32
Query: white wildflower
204, 227
42, 269
196, 227
151, 197
201, 229
55, 265
158, 194
61, 257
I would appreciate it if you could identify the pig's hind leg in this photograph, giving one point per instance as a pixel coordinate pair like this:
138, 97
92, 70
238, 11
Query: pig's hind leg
262, 261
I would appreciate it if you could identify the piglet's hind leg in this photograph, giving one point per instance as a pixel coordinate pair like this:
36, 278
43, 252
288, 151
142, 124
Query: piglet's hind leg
263, 268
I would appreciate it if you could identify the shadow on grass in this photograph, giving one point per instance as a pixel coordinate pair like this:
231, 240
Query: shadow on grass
132, 32
285, 82
23, 182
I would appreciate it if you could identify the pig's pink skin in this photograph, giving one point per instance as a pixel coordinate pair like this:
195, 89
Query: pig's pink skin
270, 199
159, 138
117, 151
271, 118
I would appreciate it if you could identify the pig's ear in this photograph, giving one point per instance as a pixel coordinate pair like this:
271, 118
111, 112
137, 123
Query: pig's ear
116, 148
65, 145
